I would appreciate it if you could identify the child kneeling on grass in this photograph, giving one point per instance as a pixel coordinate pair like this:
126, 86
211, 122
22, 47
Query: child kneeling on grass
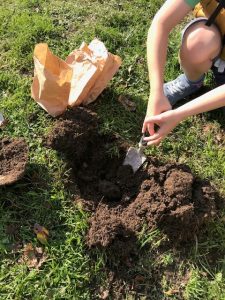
202, 49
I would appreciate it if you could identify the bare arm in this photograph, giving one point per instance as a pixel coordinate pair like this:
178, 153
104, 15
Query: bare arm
209, 101
168, 120
170, 14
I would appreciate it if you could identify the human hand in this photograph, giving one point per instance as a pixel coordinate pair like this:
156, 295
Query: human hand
166, 123
157, 104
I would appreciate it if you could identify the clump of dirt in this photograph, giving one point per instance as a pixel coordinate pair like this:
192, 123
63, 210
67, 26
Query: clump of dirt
13, 159
167, 196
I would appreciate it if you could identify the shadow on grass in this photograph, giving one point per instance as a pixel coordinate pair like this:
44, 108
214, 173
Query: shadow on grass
23, 204
129, 270
126, 122
158, 272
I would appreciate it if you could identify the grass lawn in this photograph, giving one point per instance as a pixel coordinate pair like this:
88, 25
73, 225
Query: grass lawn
70, 270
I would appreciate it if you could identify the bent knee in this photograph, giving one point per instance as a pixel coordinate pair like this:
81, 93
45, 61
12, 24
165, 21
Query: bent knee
201, 43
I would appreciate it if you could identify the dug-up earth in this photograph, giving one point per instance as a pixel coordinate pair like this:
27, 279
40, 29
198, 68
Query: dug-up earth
13, 159
165, 196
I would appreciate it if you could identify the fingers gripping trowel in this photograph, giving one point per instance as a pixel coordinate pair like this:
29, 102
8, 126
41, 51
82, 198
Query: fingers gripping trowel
135, 156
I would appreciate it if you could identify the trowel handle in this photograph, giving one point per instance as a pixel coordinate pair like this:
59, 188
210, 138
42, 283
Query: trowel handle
143, 143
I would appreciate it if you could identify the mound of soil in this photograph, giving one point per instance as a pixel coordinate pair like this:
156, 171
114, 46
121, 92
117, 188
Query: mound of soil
13, 159
167, 196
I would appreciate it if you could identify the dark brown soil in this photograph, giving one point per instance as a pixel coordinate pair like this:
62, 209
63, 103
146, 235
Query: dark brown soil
167, 196
13, 159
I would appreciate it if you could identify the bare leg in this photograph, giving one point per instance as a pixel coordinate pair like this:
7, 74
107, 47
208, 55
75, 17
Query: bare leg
201, 44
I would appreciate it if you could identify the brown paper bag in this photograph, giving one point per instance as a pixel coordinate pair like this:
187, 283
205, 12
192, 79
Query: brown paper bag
108, 65
85, 73
51, 83
78, 80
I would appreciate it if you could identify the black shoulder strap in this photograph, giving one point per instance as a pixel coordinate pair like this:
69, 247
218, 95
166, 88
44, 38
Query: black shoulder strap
215, 13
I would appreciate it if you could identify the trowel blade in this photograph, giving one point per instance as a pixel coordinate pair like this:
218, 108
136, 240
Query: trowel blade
1, 119
135, 158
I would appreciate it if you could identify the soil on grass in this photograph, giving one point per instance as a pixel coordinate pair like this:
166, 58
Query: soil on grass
13, 159
166, 196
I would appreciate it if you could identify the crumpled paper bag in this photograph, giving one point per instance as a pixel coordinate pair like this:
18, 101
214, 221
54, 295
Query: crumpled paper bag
79, 79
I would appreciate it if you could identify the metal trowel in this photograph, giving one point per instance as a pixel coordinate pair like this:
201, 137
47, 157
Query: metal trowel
135, 156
